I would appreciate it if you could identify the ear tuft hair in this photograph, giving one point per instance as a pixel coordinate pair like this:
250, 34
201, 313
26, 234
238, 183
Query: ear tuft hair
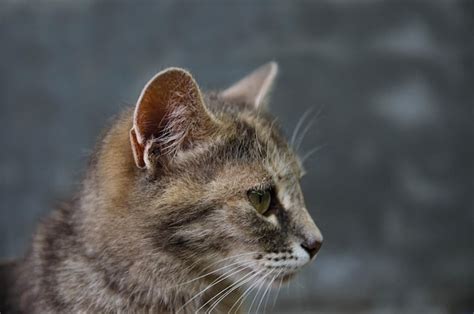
170, 113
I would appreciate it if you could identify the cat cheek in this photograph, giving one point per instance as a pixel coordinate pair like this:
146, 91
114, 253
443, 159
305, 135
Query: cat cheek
273, 220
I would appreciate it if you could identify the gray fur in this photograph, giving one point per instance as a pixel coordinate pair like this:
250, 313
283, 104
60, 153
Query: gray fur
135, 237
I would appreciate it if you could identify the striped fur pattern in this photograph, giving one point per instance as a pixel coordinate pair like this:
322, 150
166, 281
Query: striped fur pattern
163, 223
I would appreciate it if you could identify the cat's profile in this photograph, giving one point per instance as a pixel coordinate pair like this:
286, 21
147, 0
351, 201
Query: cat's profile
190, 201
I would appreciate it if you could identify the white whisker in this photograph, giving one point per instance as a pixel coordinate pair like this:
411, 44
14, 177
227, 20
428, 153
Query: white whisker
217, 296
205, 275
311, 152
268, 295
277, 293
300, 139
244, 295
307, 128
219, 261
226, 275
298, 125
265, 292
259, 287
242, 282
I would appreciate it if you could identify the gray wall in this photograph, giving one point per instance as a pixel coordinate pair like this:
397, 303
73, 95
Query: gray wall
391, 187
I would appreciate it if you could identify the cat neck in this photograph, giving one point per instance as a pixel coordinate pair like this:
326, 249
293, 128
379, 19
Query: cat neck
90, 257
71, 275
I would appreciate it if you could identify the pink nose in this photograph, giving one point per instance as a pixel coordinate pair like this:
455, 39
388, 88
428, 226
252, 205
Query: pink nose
311, 246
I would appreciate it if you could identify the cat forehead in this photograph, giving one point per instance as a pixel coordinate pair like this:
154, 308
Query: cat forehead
265, 144
279, 158
248, 141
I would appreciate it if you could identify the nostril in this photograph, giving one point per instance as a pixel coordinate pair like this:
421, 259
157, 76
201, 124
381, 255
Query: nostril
312, 247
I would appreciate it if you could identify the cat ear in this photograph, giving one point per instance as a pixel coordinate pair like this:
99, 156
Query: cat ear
255, 87
169, 115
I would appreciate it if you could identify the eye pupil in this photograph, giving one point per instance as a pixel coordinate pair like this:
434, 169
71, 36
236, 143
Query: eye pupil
260, 200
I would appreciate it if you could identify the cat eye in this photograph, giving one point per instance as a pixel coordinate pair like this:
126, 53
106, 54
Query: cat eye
260, 200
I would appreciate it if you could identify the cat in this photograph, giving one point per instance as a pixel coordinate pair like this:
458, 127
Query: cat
189, 202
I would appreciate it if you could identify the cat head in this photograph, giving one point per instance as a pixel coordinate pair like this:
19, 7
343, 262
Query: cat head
218, 184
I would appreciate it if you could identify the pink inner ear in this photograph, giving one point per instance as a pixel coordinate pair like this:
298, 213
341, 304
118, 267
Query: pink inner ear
172, 95
153, 105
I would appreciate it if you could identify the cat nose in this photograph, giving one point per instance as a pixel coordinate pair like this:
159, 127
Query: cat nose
312, 246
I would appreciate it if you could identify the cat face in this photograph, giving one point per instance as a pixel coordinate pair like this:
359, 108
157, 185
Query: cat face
221, 183
273, 238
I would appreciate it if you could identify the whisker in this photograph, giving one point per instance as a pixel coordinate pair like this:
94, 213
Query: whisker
242, 282
217, 296
205, 275
298, 125
268, 295
243, 296
265, 292
229, 257
221, 260
300, 138
259, 287
277, 293
299, 141
226, 275
246, 294
310, 153
261, 282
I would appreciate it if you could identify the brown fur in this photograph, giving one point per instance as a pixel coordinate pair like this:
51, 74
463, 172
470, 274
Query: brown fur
142, 227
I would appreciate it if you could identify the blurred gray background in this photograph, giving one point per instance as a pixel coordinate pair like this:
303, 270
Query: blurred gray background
392, 186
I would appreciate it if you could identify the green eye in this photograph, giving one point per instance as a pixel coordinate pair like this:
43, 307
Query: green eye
260, 200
